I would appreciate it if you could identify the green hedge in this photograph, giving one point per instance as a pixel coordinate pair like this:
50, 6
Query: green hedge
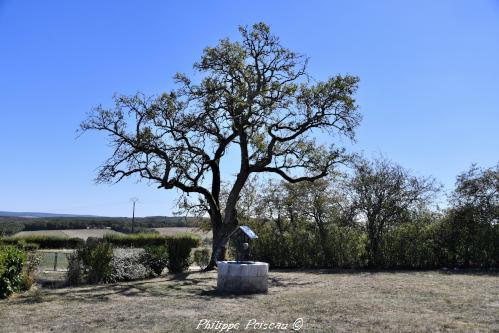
300, 245
179, 251
12, 260
411, 246
45, 242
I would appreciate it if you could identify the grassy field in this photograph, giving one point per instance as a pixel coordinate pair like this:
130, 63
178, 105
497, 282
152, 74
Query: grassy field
326, 301
57, 233
206, 236
170, 231
69, 233
85, 233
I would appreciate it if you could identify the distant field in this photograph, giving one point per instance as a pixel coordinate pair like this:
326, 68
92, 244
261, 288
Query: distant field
170, 231
85, 233
79, 233
58, 233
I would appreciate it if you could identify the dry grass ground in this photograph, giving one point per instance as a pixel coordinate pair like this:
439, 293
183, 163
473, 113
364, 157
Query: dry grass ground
327, 302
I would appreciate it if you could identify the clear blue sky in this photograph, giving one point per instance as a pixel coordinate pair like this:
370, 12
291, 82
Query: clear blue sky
429, 87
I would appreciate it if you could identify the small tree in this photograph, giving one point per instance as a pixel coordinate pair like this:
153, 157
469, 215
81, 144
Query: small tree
383, 195
478, 189
255, 97
471, 227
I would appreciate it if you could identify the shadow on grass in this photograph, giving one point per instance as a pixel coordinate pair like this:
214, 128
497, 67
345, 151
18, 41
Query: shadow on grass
214, 293
167, 286
367, 271
285, 283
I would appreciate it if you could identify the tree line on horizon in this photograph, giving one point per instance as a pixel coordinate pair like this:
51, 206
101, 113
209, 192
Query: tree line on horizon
12, 225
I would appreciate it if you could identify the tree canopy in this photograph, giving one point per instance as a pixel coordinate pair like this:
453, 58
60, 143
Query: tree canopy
254, 95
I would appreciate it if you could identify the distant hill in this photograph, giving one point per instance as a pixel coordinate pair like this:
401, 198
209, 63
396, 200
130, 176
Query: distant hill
13, 222
38, 214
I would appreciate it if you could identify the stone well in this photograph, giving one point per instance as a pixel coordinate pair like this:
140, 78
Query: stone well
242, 276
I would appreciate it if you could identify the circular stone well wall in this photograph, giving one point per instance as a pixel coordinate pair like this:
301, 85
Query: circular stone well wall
242, 276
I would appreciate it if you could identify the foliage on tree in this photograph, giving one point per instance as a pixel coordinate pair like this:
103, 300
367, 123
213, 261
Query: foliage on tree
470, 232
383, 194
478, 189
255, 97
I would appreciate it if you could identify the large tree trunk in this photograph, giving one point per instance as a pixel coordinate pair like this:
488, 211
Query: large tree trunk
221, 233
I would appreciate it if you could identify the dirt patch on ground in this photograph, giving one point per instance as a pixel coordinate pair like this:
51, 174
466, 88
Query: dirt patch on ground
326, 301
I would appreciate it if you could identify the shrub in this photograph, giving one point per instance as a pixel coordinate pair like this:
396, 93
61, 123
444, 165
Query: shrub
12, 260
74, 274
96, 262
128, 264
156, 258
33, 261
30, 247
179, 251
202, 257
463, 241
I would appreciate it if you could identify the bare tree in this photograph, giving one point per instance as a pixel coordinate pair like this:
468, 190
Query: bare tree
383, 195
254, 96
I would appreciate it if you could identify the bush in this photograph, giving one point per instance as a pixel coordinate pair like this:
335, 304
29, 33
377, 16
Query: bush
463, 241
12, 260
96, 262
128, 264
74, 274
202, 257
100, 263
179, 251
156, 258
30, 246
45, 242
29, 274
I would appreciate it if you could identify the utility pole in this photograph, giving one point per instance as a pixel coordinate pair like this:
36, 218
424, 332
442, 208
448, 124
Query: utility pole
133, 200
